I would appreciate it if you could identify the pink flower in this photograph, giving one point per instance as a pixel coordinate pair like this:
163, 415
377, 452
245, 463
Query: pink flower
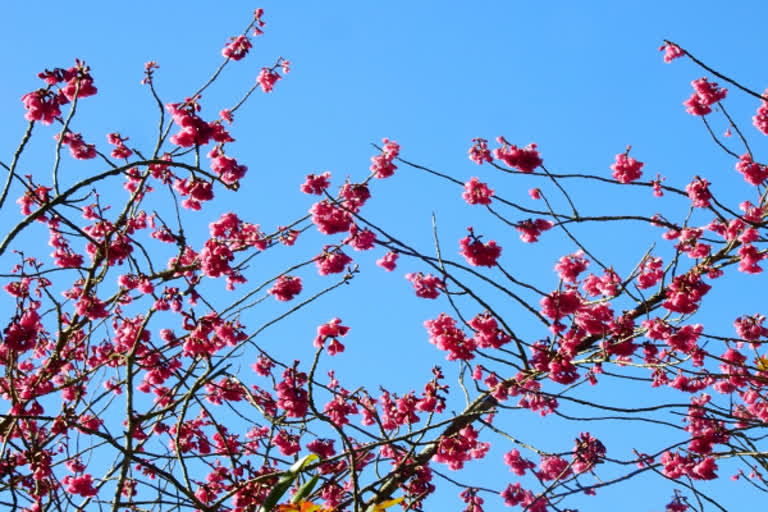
237, 48
263, 366
81, 485
705, 94
267, 79
77, 147
382, 165
332, 261
316, 184
460, 448
479, 152
552, 467
587, 453
360, 239
444, 334
229, 171
760, 120
322, 447
42, 105
657, 190
476, 192
477, 253
287, 443
531, 229
193, 130
651, 272
685, 292
355, 195
120, 151
754, 173
291, 396
226, 115
329, 218
698, 192
388, 261
524, 159
626, 169
286, 288
570, 266
516, 463
751, 327
487, 331
671, 52
331, 331
749, 258
559, 304
426, 286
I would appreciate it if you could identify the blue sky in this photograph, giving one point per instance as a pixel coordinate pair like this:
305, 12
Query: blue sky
581, 79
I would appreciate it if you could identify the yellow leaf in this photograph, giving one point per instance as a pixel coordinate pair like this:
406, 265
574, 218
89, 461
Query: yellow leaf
302, 506
762, 363
386, 504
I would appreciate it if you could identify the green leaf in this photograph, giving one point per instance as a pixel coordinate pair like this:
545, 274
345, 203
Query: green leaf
305, 489
285, 482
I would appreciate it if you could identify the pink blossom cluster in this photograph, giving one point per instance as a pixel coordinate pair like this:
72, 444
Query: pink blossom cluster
559, 304
226, 167
651, 272
477, 253
426, 286
530, 229
487, 331
331, 261
354, 195
698, 468
360, 239
445, 335
705, 94
517, 464
606, 285
81, 485
626, 169
267, 79
760, 119
750, 327
570, 266
388, 262
698, 192
479, 151
121, 150
515, 495
685, 292
291, 395
286, 288
382, 165
460, 448
671, 51
316, 184
340, 407
237, 48
329, 218
331, 332
754, 173
525, 160
193, 131
473, 501
77, 146
476, 192
43, 104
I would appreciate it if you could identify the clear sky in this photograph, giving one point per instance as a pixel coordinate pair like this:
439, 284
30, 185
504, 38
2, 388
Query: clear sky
581, 79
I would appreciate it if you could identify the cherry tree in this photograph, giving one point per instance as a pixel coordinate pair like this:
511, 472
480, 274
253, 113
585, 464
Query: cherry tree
137, 376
